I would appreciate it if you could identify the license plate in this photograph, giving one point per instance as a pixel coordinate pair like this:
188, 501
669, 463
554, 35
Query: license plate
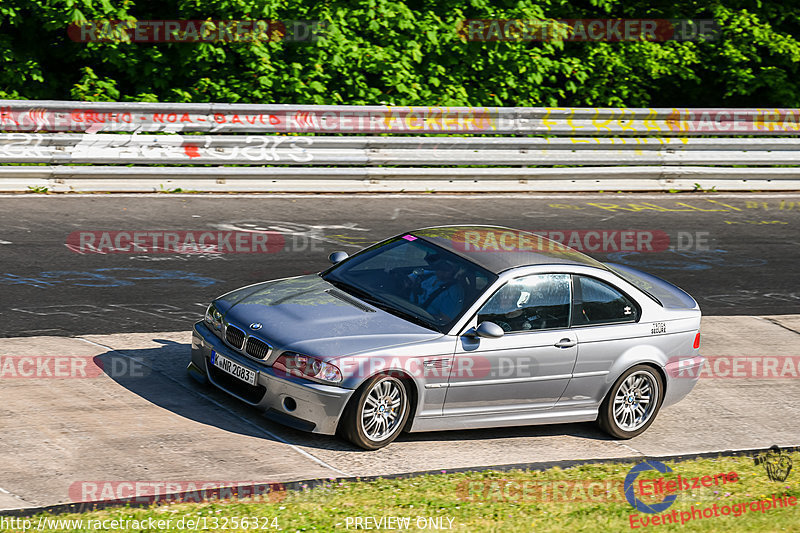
233, 368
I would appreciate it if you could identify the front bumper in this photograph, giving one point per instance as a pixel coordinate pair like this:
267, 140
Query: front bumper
294, 402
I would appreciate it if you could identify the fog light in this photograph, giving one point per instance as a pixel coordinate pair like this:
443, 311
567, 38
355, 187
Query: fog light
289, 404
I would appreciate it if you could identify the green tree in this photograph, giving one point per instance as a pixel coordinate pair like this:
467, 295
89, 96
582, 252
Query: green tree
406, 53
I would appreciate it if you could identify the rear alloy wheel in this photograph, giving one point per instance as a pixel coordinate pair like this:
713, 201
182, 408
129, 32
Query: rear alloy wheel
378, 413
632, 403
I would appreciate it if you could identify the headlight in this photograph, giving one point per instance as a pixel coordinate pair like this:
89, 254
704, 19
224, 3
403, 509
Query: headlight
305, 366
213, 318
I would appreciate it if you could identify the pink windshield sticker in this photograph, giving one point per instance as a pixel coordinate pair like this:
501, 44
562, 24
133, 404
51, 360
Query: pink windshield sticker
409, 237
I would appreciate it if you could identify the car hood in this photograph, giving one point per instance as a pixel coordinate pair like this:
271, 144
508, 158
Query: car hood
309, 315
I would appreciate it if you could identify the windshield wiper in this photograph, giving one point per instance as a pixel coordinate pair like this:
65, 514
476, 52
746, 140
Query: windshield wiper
364, 295
352, 289
412, 318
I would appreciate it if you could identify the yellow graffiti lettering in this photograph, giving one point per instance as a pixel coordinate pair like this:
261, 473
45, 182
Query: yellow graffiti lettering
609, 207
647, 207
434, 117
449, 120
676, 122
695, 208
548, 123
486, 120
721, 203
415, 124
564, 206
790, 121
469, 120
604, 124
774, 120
626, 125
570, 124
650, 123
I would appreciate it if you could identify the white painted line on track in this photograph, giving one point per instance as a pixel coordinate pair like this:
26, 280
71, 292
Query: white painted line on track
11, 502
631, 448
225, 408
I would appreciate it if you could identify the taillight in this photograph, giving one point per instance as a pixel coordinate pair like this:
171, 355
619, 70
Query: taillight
696, 341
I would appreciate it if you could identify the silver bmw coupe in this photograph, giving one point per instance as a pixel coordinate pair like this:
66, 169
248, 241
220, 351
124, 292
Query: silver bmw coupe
454, 327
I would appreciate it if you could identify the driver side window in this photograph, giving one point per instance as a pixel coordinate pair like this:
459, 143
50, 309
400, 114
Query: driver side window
536, 302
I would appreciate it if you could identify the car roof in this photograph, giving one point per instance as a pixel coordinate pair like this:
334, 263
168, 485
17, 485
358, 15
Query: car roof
497, 248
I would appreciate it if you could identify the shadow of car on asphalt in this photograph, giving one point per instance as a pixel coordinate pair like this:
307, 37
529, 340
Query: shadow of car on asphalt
159, 376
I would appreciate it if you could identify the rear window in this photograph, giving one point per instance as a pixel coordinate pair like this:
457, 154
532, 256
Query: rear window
663, 292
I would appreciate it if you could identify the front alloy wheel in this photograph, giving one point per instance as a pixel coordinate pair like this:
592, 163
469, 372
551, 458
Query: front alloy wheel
632, 403
378, 413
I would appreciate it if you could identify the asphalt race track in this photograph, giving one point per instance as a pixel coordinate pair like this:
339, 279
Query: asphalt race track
143, 419
737, 254
131, 310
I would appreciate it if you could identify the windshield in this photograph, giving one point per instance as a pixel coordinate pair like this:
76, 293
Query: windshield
414, 279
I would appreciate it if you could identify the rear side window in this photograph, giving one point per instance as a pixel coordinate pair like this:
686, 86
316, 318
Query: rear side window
597, 302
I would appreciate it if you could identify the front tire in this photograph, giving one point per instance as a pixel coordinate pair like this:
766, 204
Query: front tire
632, 403
378, 414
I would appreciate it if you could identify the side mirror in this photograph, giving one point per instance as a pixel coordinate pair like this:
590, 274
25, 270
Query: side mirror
337, 257
488, 330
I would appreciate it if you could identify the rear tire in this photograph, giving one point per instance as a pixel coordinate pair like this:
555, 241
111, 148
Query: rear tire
632, 403
377, 413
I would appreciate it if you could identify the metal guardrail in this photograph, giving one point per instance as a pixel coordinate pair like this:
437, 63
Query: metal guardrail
95, 117
281, 147
70, 149
385, 179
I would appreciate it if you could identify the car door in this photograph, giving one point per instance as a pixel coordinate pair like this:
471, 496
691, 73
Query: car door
527, 368
604, 319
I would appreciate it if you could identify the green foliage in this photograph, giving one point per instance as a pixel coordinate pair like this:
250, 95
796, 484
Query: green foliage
406, 53
515, 501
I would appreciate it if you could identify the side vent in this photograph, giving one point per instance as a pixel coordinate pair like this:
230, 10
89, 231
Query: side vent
349, 299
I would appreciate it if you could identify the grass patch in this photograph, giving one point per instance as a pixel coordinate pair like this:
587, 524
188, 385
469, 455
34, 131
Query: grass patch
486, 501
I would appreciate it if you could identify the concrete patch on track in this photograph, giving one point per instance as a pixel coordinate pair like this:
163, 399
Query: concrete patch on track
139, 424
142, 419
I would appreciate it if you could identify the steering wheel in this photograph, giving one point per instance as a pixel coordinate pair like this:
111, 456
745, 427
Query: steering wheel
543, 317
400, 282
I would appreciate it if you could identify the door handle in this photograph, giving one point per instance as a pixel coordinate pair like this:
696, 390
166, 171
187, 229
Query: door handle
565, 343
